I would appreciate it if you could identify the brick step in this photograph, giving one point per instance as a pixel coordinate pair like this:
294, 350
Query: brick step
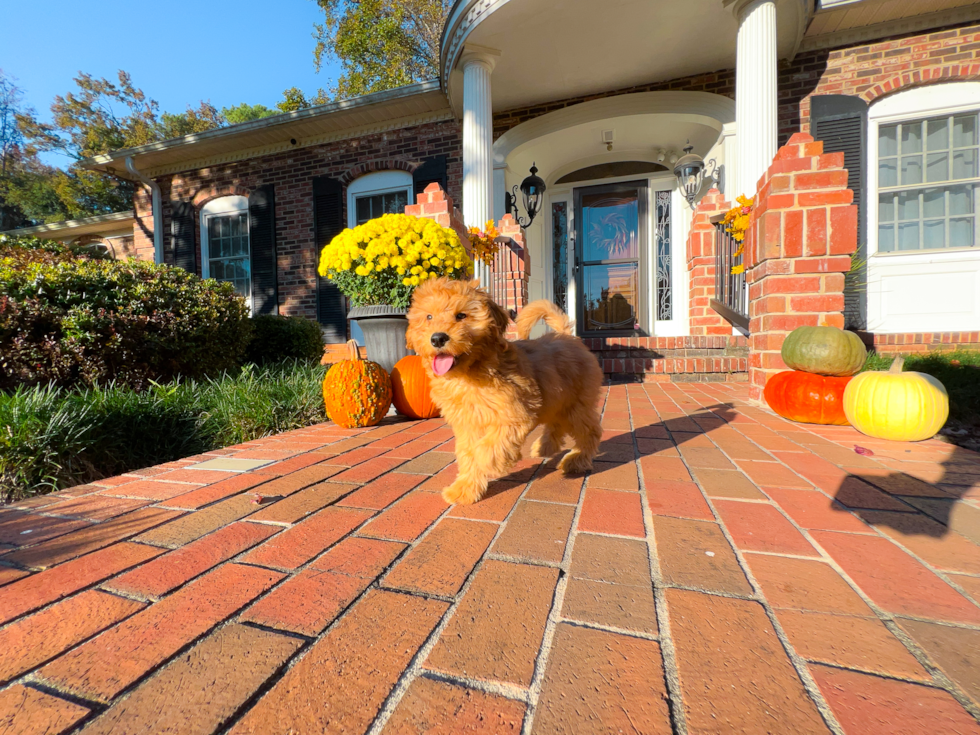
673, 359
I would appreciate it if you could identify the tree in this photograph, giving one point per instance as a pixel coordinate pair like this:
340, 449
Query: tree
11, 138
245, 113
99, 117
293, 99
27, 194
381, 44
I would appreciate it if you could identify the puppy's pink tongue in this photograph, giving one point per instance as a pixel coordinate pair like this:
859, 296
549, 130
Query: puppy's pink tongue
442, 363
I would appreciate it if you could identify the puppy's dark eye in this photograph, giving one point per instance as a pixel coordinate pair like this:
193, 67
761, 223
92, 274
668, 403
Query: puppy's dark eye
429, 317
460, 317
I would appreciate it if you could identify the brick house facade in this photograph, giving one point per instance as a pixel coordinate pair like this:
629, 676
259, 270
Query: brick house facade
868, 71
292, 174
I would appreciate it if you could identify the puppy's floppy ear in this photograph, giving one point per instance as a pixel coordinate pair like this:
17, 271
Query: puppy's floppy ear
497, 315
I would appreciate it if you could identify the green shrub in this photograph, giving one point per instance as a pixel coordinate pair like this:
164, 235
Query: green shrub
52, 437
68, 320
284, 337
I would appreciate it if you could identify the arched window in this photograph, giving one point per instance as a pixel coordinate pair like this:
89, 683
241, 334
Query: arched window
374, 194
225, 251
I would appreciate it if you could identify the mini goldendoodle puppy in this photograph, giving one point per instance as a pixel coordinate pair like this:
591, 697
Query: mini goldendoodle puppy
494, 392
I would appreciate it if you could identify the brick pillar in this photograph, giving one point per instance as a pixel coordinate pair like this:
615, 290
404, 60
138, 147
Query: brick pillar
701, 267
798, 247
436, 205
511, 269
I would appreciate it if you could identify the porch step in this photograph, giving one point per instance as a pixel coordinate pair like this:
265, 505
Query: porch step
672, 359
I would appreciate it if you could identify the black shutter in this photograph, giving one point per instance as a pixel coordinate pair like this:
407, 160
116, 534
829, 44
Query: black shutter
262, 243
431, 170
841, 122
182, 236
328, 221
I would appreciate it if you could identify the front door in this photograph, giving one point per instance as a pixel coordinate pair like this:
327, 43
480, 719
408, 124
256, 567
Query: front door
610, 229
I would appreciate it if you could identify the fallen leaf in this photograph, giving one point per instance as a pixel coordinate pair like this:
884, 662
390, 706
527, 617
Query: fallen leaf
863, 451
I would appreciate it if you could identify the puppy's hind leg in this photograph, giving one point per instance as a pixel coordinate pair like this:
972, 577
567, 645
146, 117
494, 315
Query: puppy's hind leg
586, 433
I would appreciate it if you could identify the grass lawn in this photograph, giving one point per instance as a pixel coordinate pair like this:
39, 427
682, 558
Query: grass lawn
52, 438
959, 372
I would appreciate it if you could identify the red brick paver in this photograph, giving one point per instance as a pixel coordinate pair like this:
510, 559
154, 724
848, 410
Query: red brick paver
721, 570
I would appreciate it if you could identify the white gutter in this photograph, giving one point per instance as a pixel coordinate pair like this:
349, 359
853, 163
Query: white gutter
157, 200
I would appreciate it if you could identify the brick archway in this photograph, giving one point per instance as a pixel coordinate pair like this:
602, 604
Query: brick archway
922, 77
206, 195
378, 164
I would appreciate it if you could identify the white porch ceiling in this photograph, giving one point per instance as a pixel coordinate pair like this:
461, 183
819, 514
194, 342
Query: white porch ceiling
557, 49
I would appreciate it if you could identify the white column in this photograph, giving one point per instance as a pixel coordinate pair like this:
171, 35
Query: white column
477, 144
755, 92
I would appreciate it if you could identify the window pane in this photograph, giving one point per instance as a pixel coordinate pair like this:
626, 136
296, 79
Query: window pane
933, 233
394, 202
911, 137
937, 135
961, 233
611, 295
937, 167
363, 209
611, 226
559, 233
888, 172
886, 207
912, 170
887, 140
964, 164
908, 205
908, 236
886, 238
961, 200
934, 203
964, 130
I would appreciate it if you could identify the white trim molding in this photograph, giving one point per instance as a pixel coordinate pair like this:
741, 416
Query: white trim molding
923, 290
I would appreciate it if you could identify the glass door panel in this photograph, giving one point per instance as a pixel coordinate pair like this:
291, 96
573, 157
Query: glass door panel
610, 233
611, 293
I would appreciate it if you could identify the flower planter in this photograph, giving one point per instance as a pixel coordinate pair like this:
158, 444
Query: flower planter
384, 330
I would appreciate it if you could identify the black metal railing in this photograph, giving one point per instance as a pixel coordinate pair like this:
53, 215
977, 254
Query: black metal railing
731, 295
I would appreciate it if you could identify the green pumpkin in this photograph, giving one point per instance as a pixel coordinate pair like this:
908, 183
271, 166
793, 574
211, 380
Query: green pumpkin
824, 351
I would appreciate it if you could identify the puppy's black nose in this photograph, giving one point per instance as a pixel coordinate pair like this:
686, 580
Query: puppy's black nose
439, 339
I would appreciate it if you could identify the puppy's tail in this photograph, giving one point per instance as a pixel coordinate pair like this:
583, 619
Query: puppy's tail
538, 310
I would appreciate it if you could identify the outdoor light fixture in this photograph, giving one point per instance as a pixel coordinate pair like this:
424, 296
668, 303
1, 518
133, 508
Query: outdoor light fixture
532, 190
690, 173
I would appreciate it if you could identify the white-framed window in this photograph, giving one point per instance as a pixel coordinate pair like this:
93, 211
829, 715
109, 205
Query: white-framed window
372, 195
225, 251
928, 183
923, 202
378, 193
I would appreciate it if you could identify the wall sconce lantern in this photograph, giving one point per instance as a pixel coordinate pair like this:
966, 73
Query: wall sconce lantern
690, 171
532, 191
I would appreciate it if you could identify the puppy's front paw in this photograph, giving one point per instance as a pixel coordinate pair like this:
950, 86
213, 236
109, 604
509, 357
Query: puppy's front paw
461, 493
575, 463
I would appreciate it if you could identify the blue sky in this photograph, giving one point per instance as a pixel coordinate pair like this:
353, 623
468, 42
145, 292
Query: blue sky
178, 51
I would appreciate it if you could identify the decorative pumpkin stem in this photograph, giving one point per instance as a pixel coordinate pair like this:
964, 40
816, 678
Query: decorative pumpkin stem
897, 364
355, 354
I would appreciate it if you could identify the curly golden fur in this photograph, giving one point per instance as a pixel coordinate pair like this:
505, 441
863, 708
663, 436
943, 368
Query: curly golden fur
494, 392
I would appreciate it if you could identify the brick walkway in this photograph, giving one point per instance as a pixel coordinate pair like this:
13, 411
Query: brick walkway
702, 580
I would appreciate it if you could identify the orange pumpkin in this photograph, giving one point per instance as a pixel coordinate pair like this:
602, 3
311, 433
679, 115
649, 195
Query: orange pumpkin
410, 389
807, 398
356, 392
